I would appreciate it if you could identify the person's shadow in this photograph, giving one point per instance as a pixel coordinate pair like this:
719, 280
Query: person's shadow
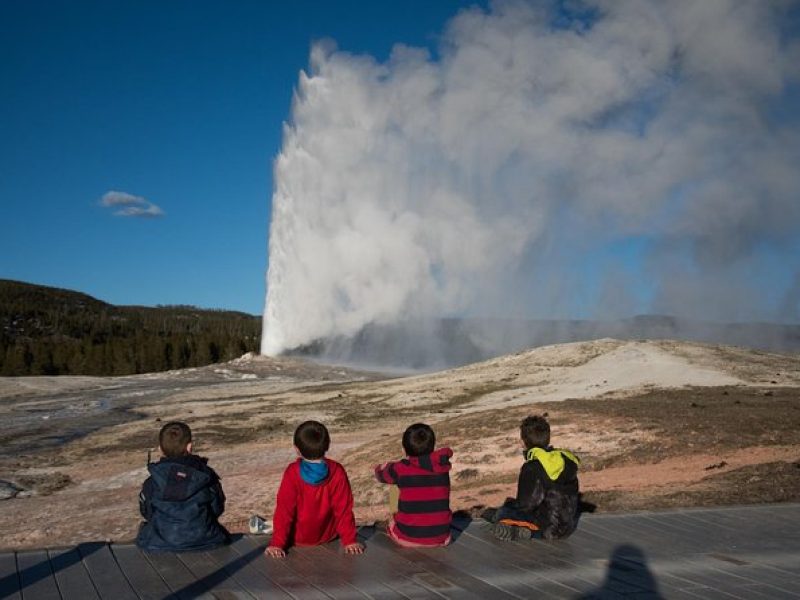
627, 574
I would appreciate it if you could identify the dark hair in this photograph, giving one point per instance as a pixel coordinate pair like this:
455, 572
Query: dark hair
419, 440
174, 438
535, 432
312, 439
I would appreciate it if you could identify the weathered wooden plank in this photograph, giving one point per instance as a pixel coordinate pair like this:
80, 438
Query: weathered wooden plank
748, 526
436, 561
671, 523
277, 571
106, 575
322, 573
767, 592
695, 571
535, 562
605, 529
714, 531
626, 532
665, 536
210, 576
144, 579
621, 533
36, 576
411, 579
748, 575
415, 567
9, 579
364, 572
71, 575
584, 543
174, 573
242, 567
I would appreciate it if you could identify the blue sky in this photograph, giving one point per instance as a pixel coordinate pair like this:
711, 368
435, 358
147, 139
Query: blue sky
171, 114
179, 104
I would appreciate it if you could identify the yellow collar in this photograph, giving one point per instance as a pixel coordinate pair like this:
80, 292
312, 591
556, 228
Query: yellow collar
553, 460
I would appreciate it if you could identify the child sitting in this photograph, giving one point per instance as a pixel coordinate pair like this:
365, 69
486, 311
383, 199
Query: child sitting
315, 503
547, 490
421, 510
182, 499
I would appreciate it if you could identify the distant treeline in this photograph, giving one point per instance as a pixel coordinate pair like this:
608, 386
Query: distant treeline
50, 331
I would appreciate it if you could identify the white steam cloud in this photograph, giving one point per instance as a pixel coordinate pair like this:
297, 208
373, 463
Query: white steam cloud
492, 179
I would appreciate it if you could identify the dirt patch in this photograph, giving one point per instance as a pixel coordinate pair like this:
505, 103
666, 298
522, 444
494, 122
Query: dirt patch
753, 484
43, 484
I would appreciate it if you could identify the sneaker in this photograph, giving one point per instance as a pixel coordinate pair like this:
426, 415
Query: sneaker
509, 530
259, 526
507, 533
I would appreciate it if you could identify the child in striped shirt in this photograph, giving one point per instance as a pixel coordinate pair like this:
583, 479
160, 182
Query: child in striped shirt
419, 498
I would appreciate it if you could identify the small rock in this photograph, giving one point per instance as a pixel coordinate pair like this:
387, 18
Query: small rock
467, 474
769, 393
8, 490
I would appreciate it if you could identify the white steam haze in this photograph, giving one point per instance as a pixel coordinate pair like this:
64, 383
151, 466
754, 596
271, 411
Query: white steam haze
630, 156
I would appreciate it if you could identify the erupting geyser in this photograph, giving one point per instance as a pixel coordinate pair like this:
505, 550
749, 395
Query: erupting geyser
628, 157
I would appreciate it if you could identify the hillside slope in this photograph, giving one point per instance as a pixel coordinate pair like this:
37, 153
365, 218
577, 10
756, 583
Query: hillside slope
52, 331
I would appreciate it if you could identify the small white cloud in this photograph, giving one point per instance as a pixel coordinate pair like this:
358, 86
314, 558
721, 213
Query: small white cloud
129, 205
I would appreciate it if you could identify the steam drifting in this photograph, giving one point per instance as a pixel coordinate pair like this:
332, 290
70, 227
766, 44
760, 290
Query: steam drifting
627, 157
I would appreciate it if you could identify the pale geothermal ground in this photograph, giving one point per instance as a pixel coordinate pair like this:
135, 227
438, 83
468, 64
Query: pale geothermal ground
656, 423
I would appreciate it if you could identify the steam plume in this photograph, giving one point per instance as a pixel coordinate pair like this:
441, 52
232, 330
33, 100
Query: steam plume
621, 157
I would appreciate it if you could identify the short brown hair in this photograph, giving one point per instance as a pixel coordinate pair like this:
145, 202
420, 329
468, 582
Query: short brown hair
419, 440
312, 439
174, 438
535, 432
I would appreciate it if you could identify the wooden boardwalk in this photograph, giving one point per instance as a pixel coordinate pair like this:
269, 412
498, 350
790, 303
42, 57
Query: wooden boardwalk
740, 552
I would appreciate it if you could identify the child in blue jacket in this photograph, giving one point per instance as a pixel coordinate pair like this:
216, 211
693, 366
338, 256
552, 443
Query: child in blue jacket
182, 499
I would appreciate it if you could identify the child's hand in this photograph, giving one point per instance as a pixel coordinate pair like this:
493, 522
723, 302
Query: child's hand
356, 548
275, 552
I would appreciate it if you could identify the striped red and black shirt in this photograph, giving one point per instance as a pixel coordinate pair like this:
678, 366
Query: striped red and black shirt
423, 515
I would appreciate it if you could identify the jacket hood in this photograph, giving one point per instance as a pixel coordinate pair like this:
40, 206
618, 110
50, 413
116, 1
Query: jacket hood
437, 461
181, 477
553, 460
314, 473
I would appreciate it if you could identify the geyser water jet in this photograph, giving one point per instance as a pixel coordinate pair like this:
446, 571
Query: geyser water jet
630, 157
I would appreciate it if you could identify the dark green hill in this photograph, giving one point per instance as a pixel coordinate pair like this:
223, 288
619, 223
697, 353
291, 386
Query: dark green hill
51, 331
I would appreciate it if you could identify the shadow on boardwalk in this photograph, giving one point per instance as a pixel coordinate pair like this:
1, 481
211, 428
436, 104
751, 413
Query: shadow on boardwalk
627, 574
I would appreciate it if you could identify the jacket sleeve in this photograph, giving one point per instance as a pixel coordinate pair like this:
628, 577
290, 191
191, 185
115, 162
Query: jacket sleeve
217, 498
285, 510
146, 499
386, 473
530, 486
342, 503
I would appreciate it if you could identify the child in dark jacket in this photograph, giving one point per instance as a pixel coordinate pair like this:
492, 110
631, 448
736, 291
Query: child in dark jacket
182, 499
422, 514
547, 489
315, 502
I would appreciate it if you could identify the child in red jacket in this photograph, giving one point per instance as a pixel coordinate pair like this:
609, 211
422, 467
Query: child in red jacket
315, 503
422, 514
